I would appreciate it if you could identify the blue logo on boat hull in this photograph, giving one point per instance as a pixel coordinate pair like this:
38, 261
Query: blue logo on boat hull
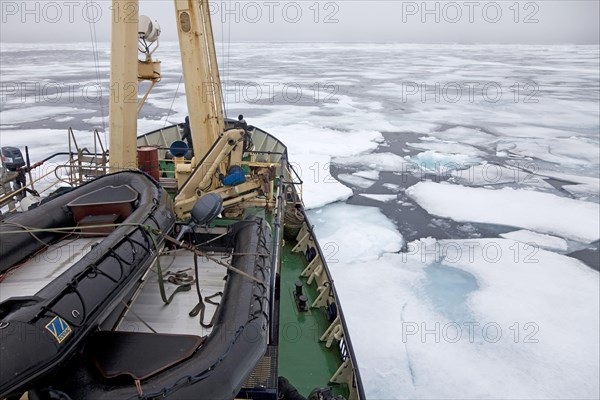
59, 329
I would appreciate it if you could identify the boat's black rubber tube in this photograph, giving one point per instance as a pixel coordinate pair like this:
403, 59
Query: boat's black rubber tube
37, 334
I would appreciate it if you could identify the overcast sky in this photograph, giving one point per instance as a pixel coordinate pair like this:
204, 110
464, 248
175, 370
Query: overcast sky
543, 22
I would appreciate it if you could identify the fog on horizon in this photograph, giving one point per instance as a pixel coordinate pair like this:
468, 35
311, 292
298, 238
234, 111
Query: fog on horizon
503, 22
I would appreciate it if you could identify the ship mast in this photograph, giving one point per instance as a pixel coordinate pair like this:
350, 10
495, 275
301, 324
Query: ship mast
123, 102
200, 73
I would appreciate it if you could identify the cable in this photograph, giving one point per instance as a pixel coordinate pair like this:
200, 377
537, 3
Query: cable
138, 317
224, 63
173, 102
94, 38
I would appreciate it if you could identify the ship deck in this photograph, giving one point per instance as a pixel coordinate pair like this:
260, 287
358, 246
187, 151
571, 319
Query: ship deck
303, 359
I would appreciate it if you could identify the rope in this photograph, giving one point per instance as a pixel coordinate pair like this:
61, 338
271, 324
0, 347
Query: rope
213, 239
26, 231
94, 38
224, 70
161, 282
293, 217
173, 102
152, 231
229, 46
200, 308
138, 317
211, 258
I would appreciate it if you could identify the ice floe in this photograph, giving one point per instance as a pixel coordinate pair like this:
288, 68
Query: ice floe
356, 181
377, 161
38, 113
311, 147
466, 135
476, 317
541, 212
373, 175
537, 239
360, 179
448, 148
494, 174
350, 233
442, 163
384, 198
564, 151
43, 142
583, 186
392, 186
319, 187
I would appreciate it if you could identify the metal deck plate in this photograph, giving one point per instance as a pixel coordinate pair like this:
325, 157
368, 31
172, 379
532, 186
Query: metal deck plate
174, 318
44, 267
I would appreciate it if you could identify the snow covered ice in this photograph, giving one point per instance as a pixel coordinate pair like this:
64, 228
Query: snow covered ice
537, 239
542, 212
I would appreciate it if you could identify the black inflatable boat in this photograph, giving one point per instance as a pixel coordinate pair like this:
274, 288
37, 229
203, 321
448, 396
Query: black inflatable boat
38, 333
132, 365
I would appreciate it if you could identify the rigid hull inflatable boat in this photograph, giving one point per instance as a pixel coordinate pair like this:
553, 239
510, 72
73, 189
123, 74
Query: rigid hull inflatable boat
190, 366
41, 330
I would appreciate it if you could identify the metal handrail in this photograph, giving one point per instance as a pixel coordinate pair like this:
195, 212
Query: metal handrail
347, 340
275, 258
66, 165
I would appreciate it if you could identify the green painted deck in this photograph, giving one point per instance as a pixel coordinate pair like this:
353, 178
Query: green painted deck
304, 360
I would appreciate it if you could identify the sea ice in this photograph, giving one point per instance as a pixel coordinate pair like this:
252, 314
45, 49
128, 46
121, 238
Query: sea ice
541, 212
529, 131
308, 138
447, 148
43, 142
37, 113
311, 147
377, 161
495, 174
319, 187
466, 135
582, 187
537, 239
64, 119
356, 181
372, 175
563, 151
361, 179
583, 191
384, 198
476, 317
392, 186
97, 121
351, 233
441, 163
